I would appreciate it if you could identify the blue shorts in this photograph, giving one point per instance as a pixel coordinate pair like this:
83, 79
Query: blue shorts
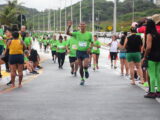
122, 55
16, 59
82, 55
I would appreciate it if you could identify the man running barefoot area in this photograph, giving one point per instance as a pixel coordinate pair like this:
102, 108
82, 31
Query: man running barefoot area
84, 39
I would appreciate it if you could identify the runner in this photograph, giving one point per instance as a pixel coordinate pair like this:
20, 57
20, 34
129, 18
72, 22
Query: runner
96, 52
16, 57
113, 51
53, 48
84, 41
72, 50
28, 42
61, 51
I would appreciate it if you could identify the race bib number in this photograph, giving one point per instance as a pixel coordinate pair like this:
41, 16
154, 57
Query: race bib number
74, 47
95, 48
83, 44
60, 47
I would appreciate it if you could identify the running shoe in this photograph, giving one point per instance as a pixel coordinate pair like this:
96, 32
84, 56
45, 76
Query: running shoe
158, 94
115, 67
86, 74
82, 82
39, 67
0, 75
150, 95
35, 72
94, 69
9, 83
75, 74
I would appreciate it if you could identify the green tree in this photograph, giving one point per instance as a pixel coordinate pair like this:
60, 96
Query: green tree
8, 15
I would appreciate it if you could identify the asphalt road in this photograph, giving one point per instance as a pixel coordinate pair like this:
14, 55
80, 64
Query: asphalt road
56, 95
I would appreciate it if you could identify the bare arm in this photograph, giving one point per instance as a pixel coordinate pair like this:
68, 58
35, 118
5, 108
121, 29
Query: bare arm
149, 45
68, 29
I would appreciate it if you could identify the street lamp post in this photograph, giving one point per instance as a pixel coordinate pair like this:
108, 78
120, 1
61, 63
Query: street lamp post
43, 21
93, 17
54, 21
80, 12
60, 17
115, 17
133, 11
65, 17
71, 15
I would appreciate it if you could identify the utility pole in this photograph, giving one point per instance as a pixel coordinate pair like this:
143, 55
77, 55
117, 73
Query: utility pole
54, 21
60, 18
92, 17
80, 12
71, 15
133, 11
65, 17
44, 21
115, 17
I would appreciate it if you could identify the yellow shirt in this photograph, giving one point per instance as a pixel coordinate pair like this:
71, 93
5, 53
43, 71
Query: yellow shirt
16, 47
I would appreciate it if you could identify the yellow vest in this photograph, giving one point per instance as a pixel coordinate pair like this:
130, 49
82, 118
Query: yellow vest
15, 47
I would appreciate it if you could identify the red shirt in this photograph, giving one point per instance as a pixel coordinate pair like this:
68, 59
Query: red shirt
143, 29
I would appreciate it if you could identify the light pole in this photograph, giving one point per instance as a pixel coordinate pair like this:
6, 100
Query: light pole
33, 20
133, 11
92, 17
49, 20
115, 17
60, 17
80, 12
71, 15
65, 17
43, 21
54, 21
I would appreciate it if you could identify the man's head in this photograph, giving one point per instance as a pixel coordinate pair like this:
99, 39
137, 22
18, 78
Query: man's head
82, 26
54, 37
8, 32
23, 28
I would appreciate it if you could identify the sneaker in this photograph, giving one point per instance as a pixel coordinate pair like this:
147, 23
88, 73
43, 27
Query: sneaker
86, 74
158, 94
150, 95
115, 67
0, 75
35, 72
82, 82
39, 67
75, 74
9, 83
94, 69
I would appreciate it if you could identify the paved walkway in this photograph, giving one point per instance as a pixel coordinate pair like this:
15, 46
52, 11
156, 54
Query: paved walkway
56, 95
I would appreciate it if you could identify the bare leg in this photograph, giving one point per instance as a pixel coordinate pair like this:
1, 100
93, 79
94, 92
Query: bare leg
13, 74
20, 73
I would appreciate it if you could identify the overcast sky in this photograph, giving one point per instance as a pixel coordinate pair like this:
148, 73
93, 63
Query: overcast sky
44, 4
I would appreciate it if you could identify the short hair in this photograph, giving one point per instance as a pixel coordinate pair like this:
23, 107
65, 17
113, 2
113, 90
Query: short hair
60, 37
96, 36
15, 35
133, 30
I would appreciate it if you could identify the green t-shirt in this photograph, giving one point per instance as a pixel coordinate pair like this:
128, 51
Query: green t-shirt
27, 41
84, 40
72, 45
26, 59
53, 44
95, 48
60, 47
45, 42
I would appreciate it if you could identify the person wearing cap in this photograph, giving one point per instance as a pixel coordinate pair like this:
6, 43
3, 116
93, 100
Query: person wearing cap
141, 27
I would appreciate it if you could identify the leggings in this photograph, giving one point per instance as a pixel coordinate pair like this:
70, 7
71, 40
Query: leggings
61, 58
154, 74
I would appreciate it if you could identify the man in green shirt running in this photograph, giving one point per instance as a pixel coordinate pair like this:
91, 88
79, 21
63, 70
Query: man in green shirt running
84, 42
53, 47
72, 51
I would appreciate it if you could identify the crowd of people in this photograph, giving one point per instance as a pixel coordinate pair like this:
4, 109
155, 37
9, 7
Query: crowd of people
138, 50
17, 54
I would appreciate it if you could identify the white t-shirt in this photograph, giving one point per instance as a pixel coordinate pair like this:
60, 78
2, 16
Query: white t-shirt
114, 46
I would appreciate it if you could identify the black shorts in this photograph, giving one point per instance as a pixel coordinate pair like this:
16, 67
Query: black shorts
82, 55
16, 59
113, 55
54, 53
95, 54
72, 59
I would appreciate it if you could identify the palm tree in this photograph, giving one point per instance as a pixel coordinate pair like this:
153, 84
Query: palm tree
8, 15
